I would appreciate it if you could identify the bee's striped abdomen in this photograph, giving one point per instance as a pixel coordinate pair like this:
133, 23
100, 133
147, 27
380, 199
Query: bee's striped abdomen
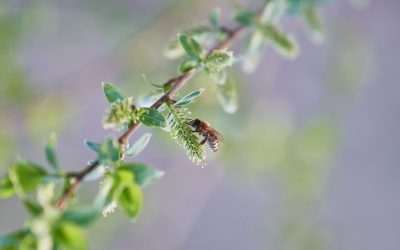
213, 143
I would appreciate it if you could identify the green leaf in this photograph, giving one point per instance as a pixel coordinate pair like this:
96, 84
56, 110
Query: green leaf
130, 201
96, 174
214, 18
111, 92
32, 207
273, 11
218, 60
286, 45
245, 17
6, 188
92, 145
144, 175
314, 23
50, 151
167, 87
138, 146
151, 117
104, 197
227, 96
26, 175
70, 235
108, 151
146, 80
83, 216
191, 46
188, 64
11, 241
188, 98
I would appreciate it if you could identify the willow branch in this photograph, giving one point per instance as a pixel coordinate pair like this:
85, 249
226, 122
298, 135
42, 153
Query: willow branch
177, 83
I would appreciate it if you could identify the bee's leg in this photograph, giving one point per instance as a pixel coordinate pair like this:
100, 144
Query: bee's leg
205, 139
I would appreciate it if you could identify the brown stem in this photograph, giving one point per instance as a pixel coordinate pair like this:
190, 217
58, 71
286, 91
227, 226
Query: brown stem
178, 82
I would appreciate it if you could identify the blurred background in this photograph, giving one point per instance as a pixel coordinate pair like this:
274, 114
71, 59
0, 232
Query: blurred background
310, 160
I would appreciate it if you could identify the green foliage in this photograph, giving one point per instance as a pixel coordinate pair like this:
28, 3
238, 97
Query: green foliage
109, 152
202, 34
112, 93
188, 64
314, 23
214, 18
150, 117
182, 133
6, 188
245, 17
92, 145
126, 193
26, 176
189, 98
70, 236
284, 44
51, 225
192, 48
144, 175
120, 115
83, 216
218, 60
50, 151
138, 146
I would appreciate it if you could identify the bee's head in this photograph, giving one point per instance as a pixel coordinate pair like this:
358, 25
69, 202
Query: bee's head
194, 123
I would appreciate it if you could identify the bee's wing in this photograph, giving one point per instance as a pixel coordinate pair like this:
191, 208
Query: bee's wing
220, 137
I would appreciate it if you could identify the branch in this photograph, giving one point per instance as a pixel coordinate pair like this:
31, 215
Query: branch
178, 82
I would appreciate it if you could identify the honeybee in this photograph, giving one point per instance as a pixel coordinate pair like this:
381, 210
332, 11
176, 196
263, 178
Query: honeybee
210, 135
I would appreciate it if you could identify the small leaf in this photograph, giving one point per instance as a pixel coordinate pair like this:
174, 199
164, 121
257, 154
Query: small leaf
151, 117
96, 174
273, 11
111, 92
191, 46
138, 146
187, 65
188, 98
83, 216
146, 80
11, 241
70, 236
245, 17
130, 201
214, 18
32, 207
227, 96
6, 188
92, 145
50, 150
103, 197
286, 45
167, 87
144, 175
218, 60
108, 152
26, 175
314, 23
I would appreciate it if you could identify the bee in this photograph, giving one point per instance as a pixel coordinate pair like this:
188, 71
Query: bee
210, 135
